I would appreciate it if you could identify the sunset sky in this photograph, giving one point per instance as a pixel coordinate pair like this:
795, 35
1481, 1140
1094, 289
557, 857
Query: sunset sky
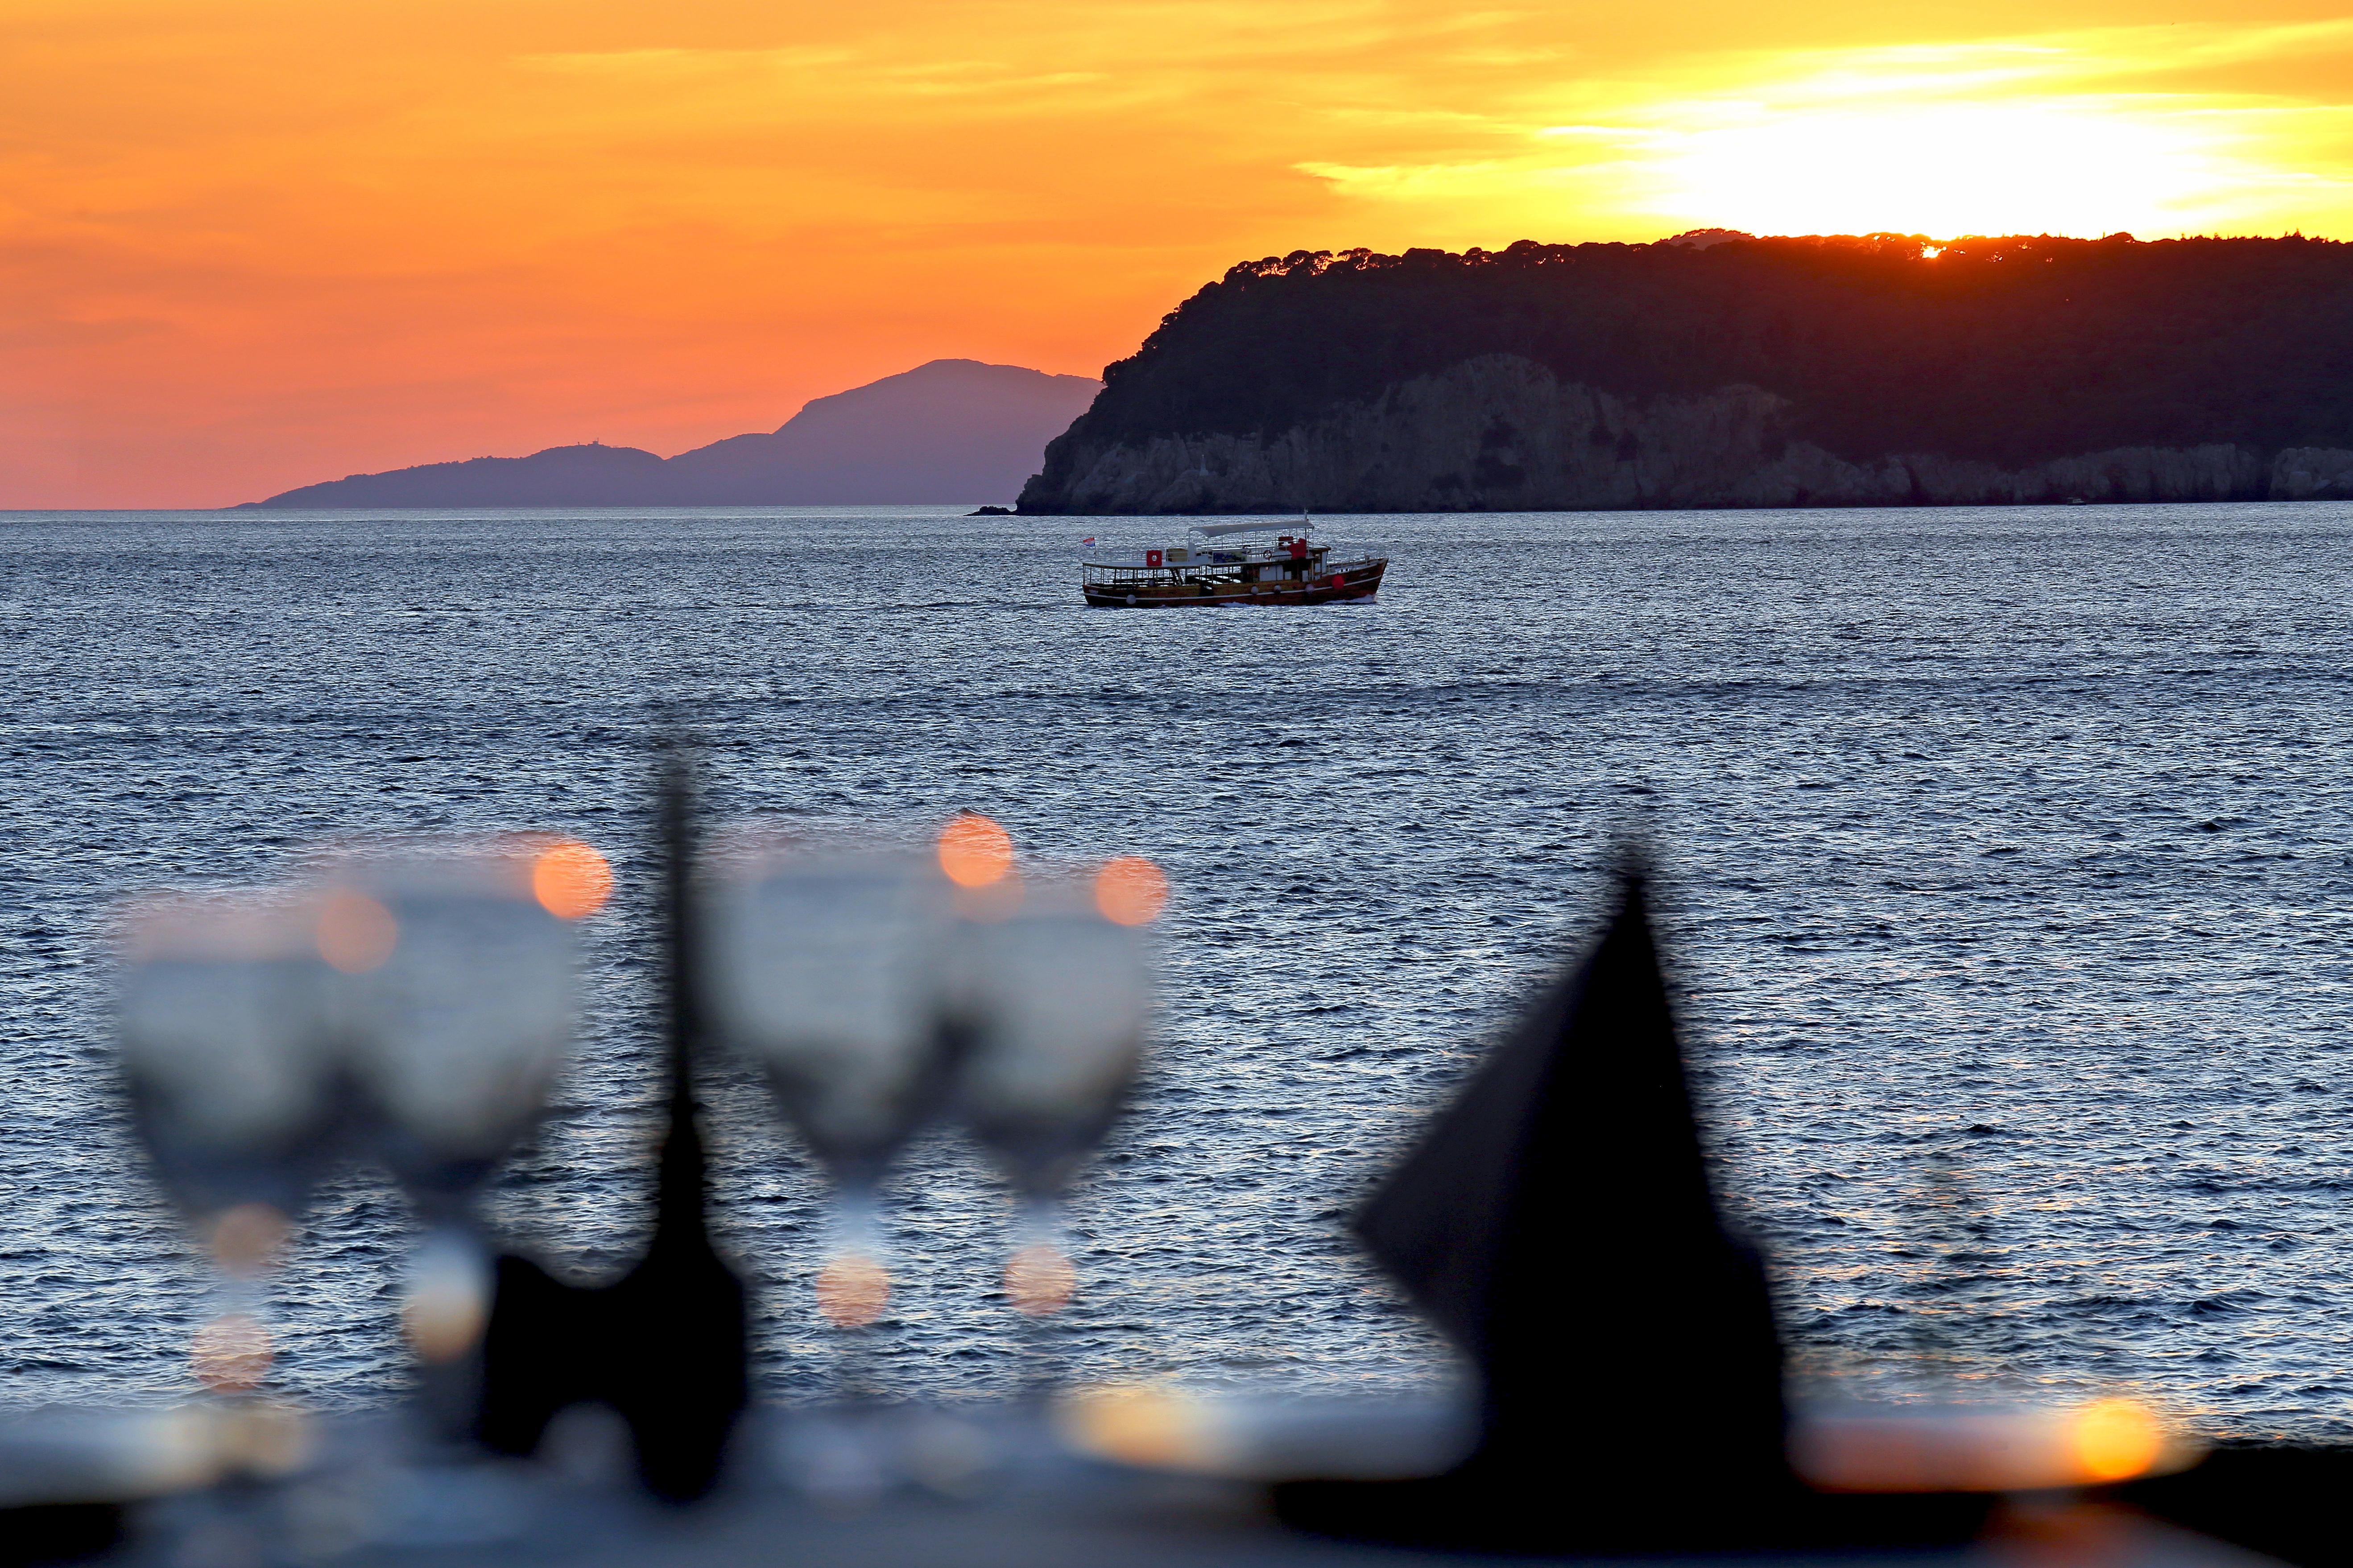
249, 244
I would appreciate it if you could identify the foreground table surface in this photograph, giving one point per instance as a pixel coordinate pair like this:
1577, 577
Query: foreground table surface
1169, 1536
1050, 1512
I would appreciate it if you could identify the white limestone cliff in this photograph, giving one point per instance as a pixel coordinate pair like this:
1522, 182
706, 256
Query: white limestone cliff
1501, 433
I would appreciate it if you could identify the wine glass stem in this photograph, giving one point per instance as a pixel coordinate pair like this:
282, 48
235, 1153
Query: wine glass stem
857, 1240
445, 1310
233, 1350
1038, 1279
241, 1293
856, 1221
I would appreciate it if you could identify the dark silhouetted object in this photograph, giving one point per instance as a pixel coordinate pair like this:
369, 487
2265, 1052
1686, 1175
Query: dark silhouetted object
1557, 1222
666, 1345
2289, 1502
58, 1532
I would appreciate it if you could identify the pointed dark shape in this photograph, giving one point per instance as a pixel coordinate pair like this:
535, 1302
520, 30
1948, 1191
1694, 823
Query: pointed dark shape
678, 1342
1557, 1222
666, 1345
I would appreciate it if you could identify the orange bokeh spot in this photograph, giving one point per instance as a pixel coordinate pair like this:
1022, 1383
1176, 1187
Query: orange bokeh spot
444, 1317
250, 1237
355, 933
852, 1290
231, 1354
2117, 1439
1149, 1428
1040, 1279
571, 880
1131, 891
975, 851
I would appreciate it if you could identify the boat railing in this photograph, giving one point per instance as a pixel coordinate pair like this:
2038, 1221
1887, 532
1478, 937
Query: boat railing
1237, 555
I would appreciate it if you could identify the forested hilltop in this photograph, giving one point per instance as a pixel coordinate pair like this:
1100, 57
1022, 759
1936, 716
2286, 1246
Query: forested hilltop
1756, 371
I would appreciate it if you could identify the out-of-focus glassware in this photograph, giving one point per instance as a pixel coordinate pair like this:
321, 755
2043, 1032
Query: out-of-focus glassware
454, 1006
1247, 1438
1991, 1447
821, 958
232, 1090
1054, 992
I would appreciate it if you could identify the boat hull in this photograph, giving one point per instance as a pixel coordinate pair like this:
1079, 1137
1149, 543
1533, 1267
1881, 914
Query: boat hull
1354, 581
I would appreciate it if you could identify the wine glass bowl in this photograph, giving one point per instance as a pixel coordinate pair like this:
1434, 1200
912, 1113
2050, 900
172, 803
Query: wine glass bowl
822, 957
219, 1024
818, 975
231, 1088
454, 1003
1055, 997
1056, 1035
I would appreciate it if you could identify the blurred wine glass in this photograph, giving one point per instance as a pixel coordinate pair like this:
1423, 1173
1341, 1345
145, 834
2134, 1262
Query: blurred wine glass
231, 1089
821, 955
454, 1003
1055, 991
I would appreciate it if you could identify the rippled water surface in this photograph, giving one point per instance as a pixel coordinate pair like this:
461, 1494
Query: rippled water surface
2006, 879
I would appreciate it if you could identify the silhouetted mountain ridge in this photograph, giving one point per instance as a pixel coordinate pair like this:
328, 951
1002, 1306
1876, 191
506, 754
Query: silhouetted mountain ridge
949, 431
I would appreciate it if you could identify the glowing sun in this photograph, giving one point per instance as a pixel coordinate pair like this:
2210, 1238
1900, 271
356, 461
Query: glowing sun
1939, 169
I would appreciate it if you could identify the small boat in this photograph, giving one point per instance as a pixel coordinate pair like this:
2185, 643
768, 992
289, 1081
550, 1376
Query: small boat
1218, 563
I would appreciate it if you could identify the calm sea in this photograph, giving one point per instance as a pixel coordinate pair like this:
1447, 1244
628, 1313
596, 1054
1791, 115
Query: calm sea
2005, 875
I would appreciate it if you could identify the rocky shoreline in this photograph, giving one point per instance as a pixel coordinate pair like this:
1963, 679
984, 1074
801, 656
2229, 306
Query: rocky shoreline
1501, 433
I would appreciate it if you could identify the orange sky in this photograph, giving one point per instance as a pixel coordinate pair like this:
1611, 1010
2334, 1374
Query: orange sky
248, 243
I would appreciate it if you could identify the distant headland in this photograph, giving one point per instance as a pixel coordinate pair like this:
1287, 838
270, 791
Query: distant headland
1718, 370
954, 430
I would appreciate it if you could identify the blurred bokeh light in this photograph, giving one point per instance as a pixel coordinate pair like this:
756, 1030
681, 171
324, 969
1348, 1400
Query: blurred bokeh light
356, 933
1131, 891
974, 852
2117, 1439
249, 1238
231, 1354
571, 880
852, 1290
1040, 1279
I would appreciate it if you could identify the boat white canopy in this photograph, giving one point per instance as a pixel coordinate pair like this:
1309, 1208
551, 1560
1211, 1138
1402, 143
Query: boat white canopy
1219, 529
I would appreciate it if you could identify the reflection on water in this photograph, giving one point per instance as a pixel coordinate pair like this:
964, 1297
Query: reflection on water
2004, 844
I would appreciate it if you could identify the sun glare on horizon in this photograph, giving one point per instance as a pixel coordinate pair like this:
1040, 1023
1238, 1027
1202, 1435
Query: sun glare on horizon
2076, 135
1944, 170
